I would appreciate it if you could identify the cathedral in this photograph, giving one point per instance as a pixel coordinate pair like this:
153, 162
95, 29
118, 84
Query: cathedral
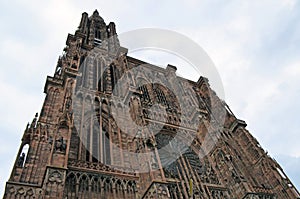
113, 126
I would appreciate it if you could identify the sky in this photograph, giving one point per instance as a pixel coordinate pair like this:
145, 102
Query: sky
253, 44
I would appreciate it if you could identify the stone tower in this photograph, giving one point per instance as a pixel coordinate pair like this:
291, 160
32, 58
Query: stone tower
113, 126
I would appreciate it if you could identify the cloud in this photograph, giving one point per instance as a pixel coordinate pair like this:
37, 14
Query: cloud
291, 167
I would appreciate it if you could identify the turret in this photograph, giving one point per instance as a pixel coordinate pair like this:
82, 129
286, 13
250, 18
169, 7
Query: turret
95, 32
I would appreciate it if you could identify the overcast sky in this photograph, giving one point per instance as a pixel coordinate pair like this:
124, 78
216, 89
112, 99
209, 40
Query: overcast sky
254, 45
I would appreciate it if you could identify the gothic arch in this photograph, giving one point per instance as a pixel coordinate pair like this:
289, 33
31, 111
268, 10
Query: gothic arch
70, 185
49, 94
129, 77
23, 154
84, 183
101, 63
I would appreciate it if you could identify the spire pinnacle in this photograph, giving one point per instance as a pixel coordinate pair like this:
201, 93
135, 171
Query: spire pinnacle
96, 12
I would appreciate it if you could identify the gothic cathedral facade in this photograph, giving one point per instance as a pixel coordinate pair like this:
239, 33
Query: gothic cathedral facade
113, 126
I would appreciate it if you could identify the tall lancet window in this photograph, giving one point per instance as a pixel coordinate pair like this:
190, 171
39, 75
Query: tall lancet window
23, 155
97, 39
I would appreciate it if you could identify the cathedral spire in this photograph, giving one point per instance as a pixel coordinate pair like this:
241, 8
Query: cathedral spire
95, 32
96, 13
97, 16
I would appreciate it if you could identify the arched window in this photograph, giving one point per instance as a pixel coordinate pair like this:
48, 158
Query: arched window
100, 74
114, 75
97, 39
23, 156
70, 187
83, 184
105, 147
106, 76
120, 189
97, 34
107, 185
95, 185
95, 142
95, 74
143, 89
160, 96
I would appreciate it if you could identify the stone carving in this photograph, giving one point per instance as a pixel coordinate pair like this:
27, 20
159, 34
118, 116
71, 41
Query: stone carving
20, 191
21, 160
157, 190
219, 194
260, 196
60, 145
50, 140
101, 185
101, 167
210, 176
55, 176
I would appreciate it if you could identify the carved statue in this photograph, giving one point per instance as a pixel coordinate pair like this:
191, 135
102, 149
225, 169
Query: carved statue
60, 145
68, 103
50, 140
150, 142
21, 160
